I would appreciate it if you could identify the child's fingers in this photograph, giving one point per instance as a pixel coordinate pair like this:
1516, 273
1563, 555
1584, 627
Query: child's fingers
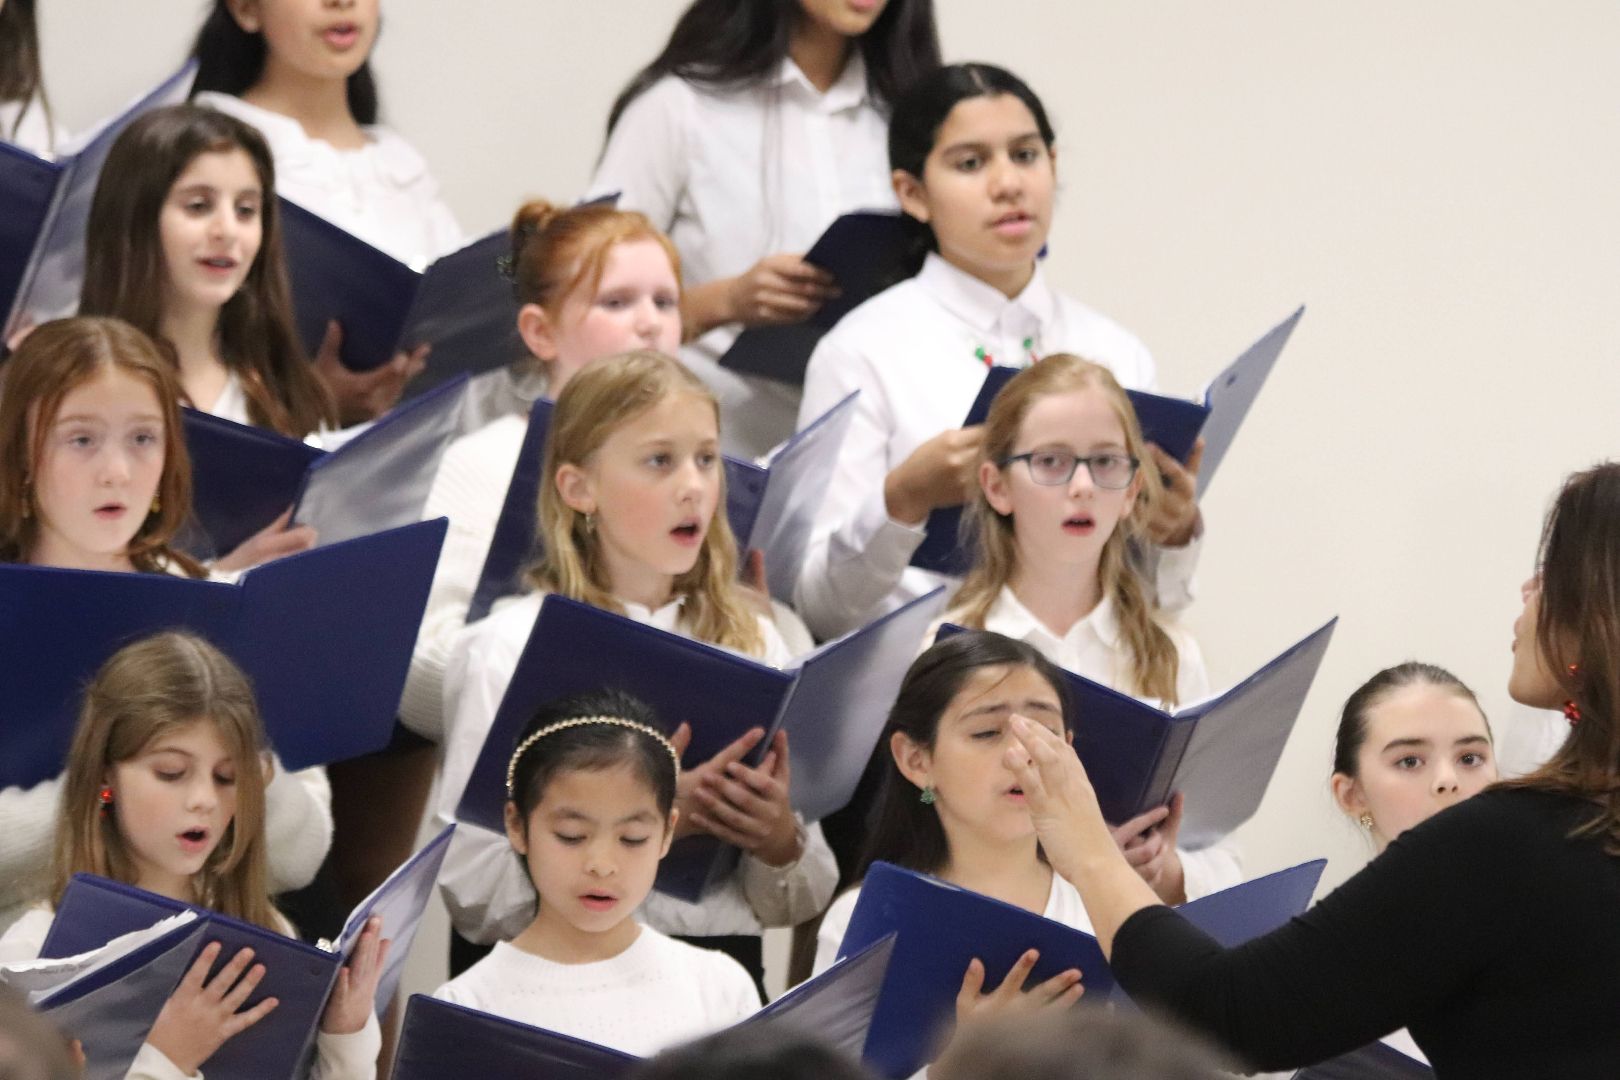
238, 995
724, 813
241, 1021
1058, 986
972, 984
197, 974
221, 983
1014, 982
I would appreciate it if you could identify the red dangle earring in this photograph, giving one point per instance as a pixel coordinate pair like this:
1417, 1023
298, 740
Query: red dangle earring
105, 798
1572, 711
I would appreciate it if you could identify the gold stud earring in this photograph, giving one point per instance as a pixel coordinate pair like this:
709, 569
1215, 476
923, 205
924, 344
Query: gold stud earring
1365, 821
157, 505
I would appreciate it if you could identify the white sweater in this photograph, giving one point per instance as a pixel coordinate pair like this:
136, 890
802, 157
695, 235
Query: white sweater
656, 993
337, 1057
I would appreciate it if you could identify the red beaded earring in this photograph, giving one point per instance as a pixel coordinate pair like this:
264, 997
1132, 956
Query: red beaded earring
1572, 711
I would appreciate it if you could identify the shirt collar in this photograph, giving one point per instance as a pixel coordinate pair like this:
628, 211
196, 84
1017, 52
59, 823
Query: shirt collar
849, 91
667, 617
1010, 617
982, 306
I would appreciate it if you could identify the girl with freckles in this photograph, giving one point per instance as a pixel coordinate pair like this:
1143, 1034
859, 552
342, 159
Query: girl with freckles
628, 518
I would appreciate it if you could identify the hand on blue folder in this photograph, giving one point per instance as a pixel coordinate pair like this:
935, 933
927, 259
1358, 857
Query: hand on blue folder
832, 704
940, 929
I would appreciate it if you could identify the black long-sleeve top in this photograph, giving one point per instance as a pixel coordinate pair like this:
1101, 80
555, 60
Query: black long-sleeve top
1485, 930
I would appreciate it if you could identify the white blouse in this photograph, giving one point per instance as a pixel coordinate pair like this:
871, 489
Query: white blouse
912, 352
34, 130
734, 175
655, 994
487, 890
382, 192
1094, 648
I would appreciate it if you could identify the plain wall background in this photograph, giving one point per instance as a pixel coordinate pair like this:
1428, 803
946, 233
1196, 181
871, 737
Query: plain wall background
1436, 181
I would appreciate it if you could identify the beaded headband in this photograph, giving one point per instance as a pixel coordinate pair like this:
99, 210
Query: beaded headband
582, 721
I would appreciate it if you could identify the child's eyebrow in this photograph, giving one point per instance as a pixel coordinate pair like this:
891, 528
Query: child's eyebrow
568, 813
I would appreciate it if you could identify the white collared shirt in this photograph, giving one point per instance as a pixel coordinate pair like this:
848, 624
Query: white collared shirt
487, 890
382, 192
913, 353
734, 175
34, 130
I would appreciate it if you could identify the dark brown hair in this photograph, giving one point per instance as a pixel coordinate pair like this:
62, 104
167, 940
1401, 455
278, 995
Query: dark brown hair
1579, 624
53, 360
125, 271
19, 59
1352, 734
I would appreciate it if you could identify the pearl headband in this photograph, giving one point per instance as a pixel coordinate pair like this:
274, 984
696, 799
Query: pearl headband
582, 721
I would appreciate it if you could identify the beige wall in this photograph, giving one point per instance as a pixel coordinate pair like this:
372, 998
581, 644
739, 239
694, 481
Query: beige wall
1436, 180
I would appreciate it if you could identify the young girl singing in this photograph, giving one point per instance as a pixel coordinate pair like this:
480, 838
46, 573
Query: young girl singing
94, 476
590, 811
301, 74
712, 139
185, 244
1061, 492
165, 790
628, 521
974, 163
592, 281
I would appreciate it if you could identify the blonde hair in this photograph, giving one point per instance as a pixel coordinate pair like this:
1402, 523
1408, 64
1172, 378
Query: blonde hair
557, 250
595, 403
1154, 660
147, 689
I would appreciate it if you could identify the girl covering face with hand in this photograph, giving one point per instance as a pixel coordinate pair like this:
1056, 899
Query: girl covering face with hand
165, 790
590, 811
628, 522
973, 155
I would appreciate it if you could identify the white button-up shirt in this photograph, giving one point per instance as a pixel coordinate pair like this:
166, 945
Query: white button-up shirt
734, 175
913, 352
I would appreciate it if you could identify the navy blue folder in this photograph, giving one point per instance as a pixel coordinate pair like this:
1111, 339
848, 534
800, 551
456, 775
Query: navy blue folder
244, 477
769, 507
54, 272
940, 927
1221, 751
111, 1008
1375, 1061
95, 910
1231, 393
325, 635
444, 1041
864, 251
27, 188
461, 303
832, 705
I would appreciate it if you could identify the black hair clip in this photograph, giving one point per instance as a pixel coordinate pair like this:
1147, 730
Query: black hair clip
507, 267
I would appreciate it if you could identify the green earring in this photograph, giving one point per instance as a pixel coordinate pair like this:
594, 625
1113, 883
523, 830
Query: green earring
927, 796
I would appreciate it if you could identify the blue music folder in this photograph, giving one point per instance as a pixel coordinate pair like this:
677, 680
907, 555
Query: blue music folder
242, 478
324, 635
109, 999
1375, 1061
864, 251
27, 189
444, 1041
940, 928
769, 507
461, 303
54, 270
1221, 751
95, 910
1231, 394
830, 705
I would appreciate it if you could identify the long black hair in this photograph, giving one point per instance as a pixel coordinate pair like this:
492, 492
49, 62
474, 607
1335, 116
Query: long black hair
230, 61
734, 43
921, 111
591, 746
20, 78
905, 831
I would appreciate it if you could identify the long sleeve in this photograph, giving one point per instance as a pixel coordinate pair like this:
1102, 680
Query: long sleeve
1481, 924
857, 553
297, 826
646, 156
28, 823
791, 894
348, 1057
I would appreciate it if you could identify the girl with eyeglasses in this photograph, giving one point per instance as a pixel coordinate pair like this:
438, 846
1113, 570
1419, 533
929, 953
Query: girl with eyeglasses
1061, 495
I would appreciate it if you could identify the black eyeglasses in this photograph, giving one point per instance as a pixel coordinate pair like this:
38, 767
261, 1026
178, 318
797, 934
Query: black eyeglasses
1110, 471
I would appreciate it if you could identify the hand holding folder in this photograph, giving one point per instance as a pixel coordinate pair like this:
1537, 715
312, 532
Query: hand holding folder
325, 635
939, 928
832, 704
299, 976
444, 1041
47, 209
461, 304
